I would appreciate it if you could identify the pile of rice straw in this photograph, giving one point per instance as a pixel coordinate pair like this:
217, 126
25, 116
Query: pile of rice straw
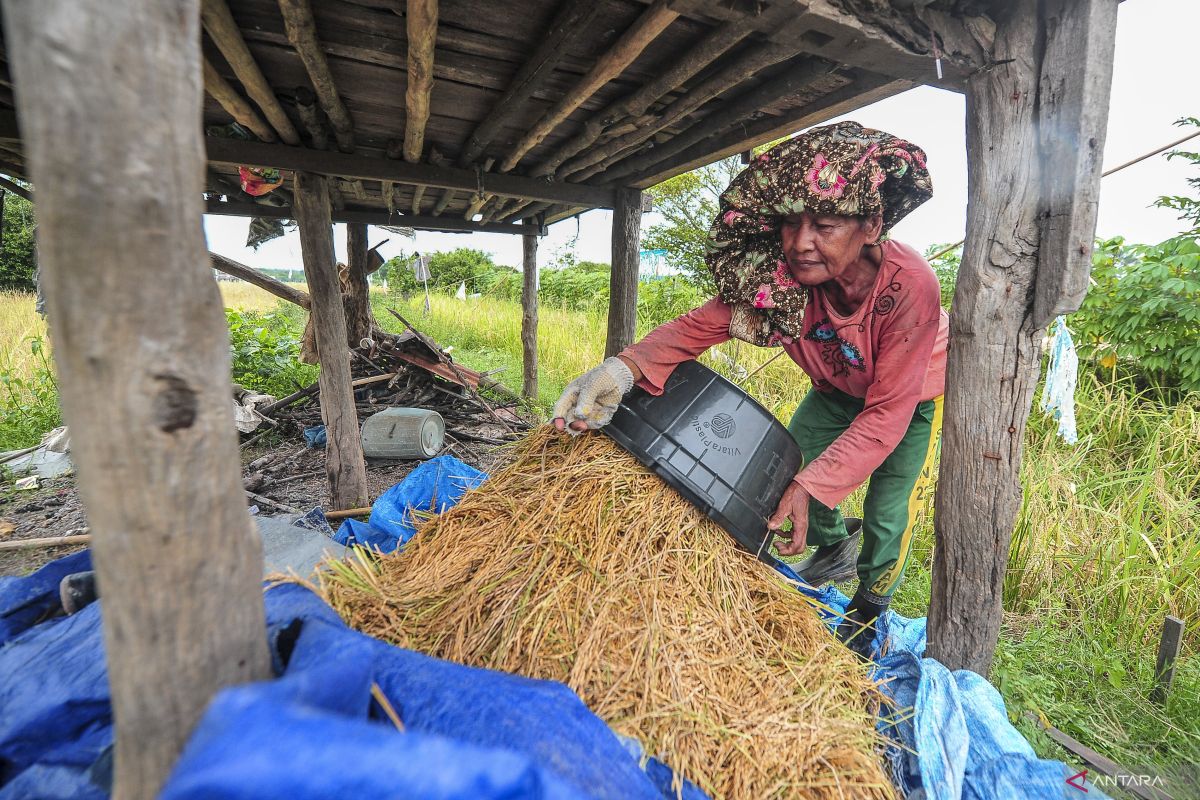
576, 564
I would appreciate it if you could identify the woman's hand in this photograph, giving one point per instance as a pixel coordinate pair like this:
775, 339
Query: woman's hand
794, 506
590, 400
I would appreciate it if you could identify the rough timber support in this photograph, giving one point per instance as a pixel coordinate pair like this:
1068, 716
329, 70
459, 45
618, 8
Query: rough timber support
356, 290
183, 608
622, 296
1035, 136
344, 463
529, 316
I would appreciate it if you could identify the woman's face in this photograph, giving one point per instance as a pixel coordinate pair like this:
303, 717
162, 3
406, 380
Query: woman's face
820, 248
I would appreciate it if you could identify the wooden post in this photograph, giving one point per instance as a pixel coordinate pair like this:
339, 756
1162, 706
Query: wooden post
251, 275
622, 294
356, 291
421, 19
143, 359
1168, 653
344, 462
529, 315
1035, 126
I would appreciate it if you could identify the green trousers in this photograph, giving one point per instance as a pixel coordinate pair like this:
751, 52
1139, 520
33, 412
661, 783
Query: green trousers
896, 492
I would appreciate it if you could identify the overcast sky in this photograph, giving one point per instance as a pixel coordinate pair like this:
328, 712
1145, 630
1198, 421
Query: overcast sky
1153, 85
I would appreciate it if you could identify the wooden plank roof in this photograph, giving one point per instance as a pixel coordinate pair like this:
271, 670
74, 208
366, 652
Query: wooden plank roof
538, 107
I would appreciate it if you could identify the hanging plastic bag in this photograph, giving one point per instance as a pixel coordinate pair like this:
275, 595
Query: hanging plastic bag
1058, 394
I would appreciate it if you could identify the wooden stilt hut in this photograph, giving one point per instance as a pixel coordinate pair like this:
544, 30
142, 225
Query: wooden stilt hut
466, 115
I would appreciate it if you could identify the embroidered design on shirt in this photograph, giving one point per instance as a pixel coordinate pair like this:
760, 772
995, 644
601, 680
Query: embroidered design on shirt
835, 350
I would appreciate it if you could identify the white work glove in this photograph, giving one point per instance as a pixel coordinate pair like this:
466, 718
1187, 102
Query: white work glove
593, 397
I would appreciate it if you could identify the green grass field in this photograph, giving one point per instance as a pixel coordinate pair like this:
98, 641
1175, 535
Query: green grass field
1106, 544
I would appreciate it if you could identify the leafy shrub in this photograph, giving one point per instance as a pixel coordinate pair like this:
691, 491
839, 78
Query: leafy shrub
28, 398
17, 256
1144, 308
945, 266
265, 350
665, 299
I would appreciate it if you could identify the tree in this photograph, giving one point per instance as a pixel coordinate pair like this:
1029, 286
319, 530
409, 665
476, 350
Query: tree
17, 257
689, 203
1188, 207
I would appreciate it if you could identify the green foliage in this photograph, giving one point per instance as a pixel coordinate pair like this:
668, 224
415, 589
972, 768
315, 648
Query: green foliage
1188, 207
265, 349
464, 265
583, 287
946, 266
17, 257
1144, 309
28, 398
400, 276
689, 203
665, 299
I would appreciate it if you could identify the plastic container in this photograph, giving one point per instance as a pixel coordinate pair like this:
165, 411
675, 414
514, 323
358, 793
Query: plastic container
716, 446
403, 433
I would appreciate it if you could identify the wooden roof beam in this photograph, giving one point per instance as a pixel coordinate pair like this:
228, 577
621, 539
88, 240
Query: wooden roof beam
714, 44
223, 30
235, 105
302, 33
899, 43
866, 89
232, 152
745, 65
729, 114
422, 24
576, 16
653, 21
369, 217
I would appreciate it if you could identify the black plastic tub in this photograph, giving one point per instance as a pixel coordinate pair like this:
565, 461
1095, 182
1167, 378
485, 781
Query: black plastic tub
716, 446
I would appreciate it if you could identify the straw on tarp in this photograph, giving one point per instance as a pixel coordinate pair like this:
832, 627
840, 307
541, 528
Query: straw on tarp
576, 564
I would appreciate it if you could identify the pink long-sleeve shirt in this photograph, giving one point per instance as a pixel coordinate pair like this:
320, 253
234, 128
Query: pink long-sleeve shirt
891, 352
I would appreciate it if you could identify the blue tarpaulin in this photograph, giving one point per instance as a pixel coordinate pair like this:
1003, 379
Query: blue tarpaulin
957, 742
315, 731
431, 488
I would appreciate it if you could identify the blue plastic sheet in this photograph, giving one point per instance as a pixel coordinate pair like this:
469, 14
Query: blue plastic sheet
434, 486
316, 732
315, 437
957, 742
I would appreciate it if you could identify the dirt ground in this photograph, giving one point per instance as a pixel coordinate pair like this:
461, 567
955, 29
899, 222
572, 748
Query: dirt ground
294, 476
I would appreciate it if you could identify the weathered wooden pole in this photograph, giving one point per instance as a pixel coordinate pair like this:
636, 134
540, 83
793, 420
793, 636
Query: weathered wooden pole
622, 295
356, 296
529, 315
344, 462
110, 97
1035, 140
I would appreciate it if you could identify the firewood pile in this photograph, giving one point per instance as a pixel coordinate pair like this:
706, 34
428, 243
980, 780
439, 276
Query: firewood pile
409, 369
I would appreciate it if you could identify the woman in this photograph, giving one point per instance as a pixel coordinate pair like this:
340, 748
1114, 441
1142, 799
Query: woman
800, 261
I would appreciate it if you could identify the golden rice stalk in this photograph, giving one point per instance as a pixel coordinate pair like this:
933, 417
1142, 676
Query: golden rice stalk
576, 564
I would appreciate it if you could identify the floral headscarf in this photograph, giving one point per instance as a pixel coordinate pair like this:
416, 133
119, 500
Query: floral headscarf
842, 169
